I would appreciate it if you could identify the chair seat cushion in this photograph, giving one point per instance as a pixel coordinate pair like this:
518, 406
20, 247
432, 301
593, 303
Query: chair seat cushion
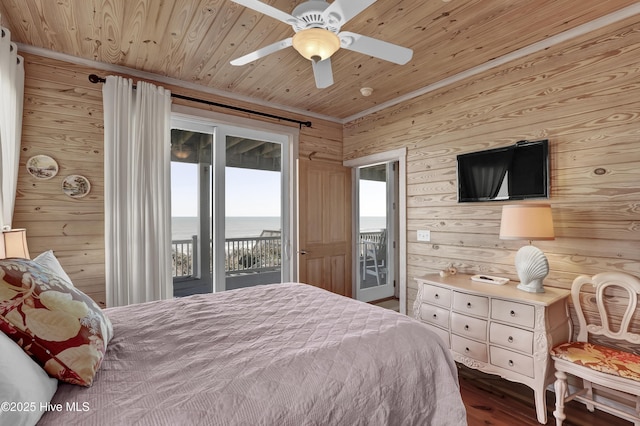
600, 358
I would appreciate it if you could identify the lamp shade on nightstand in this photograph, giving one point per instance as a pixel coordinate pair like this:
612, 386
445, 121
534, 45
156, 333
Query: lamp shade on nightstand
528, 222
14, 244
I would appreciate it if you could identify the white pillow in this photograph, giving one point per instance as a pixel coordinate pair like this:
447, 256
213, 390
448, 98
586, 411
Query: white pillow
49, 261
24, 386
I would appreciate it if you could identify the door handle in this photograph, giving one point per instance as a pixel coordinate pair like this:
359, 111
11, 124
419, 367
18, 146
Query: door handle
302, 252
287, 249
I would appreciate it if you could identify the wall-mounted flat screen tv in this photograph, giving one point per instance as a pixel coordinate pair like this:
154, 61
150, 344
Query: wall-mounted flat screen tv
515, 172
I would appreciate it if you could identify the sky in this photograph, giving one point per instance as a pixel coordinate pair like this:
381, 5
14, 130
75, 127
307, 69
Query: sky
251, 192
372, 198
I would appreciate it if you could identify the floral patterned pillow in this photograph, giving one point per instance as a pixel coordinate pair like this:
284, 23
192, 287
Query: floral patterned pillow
60, 327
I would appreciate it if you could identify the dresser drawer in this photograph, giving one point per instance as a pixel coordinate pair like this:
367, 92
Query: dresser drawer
436, 295
511, 337
434, 315
468, 326
470, 304
513, 312
470, 348
513, 361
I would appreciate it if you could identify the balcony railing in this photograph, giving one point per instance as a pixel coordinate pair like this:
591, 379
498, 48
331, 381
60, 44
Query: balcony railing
242, 255
184, 258
258, 254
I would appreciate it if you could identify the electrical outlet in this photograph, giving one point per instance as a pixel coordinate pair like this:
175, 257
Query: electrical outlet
424, 235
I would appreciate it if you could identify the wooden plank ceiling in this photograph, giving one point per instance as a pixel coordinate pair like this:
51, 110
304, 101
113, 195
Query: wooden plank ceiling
194, 40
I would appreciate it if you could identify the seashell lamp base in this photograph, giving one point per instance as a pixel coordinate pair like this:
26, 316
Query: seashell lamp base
532, 266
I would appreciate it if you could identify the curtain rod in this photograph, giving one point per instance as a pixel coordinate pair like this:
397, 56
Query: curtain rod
97, 79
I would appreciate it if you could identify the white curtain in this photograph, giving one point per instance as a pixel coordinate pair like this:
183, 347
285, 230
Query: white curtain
137, 162
11, 101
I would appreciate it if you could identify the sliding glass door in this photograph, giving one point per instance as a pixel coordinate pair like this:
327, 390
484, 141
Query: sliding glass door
253, 214
252, 209
230, 207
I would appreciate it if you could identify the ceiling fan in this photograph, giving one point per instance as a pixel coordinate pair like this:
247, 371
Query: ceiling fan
317, 35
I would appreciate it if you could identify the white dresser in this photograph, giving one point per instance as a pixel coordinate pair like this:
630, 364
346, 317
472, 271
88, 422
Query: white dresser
497, 329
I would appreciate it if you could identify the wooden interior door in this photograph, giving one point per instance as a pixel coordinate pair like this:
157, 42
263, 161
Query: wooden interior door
325, 226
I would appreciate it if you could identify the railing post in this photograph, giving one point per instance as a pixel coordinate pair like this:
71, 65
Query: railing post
195, 256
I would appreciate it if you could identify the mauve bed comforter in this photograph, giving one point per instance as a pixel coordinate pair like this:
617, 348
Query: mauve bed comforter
282, 354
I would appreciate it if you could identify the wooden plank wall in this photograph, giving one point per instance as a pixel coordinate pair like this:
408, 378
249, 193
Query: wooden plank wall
584, 96
63, 118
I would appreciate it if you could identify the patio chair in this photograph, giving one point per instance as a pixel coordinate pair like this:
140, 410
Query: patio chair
375, 256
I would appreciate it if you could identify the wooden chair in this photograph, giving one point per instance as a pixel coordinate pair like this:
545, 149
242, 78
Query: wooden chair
377, 253
600, 367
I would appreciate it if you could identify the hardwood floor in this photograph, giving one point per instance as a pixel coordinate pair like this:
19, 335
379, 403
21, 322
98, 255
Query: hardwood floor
491, 400
388, 303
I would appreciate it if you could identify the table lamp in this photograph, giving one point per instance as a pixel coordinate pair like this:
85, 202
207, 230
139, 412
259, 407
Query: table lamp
13, 243
528, 222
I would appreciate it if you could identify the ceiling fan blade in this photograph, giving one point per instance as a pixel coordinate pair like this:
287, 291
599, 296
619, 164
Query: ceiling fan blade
260, 53
340, 11
376, 48
269, 10
323, 73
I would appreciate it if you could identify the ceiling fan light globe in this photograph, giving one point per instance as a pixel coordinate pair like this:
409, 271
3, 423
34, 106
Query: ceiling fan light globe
181, 152
315, 43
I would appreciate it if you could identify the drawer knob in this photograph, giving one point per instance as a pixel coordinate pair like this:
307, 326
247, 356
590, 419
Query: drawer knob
435, 315
466, 327
510, 363
510, 339
468, 304
467, 350
437, 296
512, 313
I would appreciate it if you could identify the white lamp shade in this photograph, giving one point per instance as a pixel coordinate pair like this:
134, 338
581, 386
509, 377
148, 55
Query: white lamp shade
316, 44
14, 244
526, 222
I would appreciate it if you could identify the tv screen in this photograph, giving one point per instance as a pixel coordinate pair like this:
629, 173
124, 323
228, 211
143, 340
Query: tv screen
516, 172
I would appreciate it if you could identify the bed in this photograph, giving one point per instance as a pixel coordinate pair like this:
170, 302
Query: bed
281, 354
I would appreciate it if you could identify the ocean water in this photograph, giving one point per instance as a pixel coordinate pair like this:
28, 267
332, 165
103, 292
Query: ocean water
183, 228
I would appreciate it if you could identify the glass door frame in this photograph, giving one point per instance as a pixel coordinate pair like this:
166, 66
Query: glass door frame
219, 157
202, 277
399, 155
386, 289
239, 126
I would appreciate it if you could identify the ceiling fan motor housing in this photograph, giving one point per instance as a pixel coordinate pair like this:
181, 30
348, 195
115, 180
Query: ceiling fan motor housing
311, 14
